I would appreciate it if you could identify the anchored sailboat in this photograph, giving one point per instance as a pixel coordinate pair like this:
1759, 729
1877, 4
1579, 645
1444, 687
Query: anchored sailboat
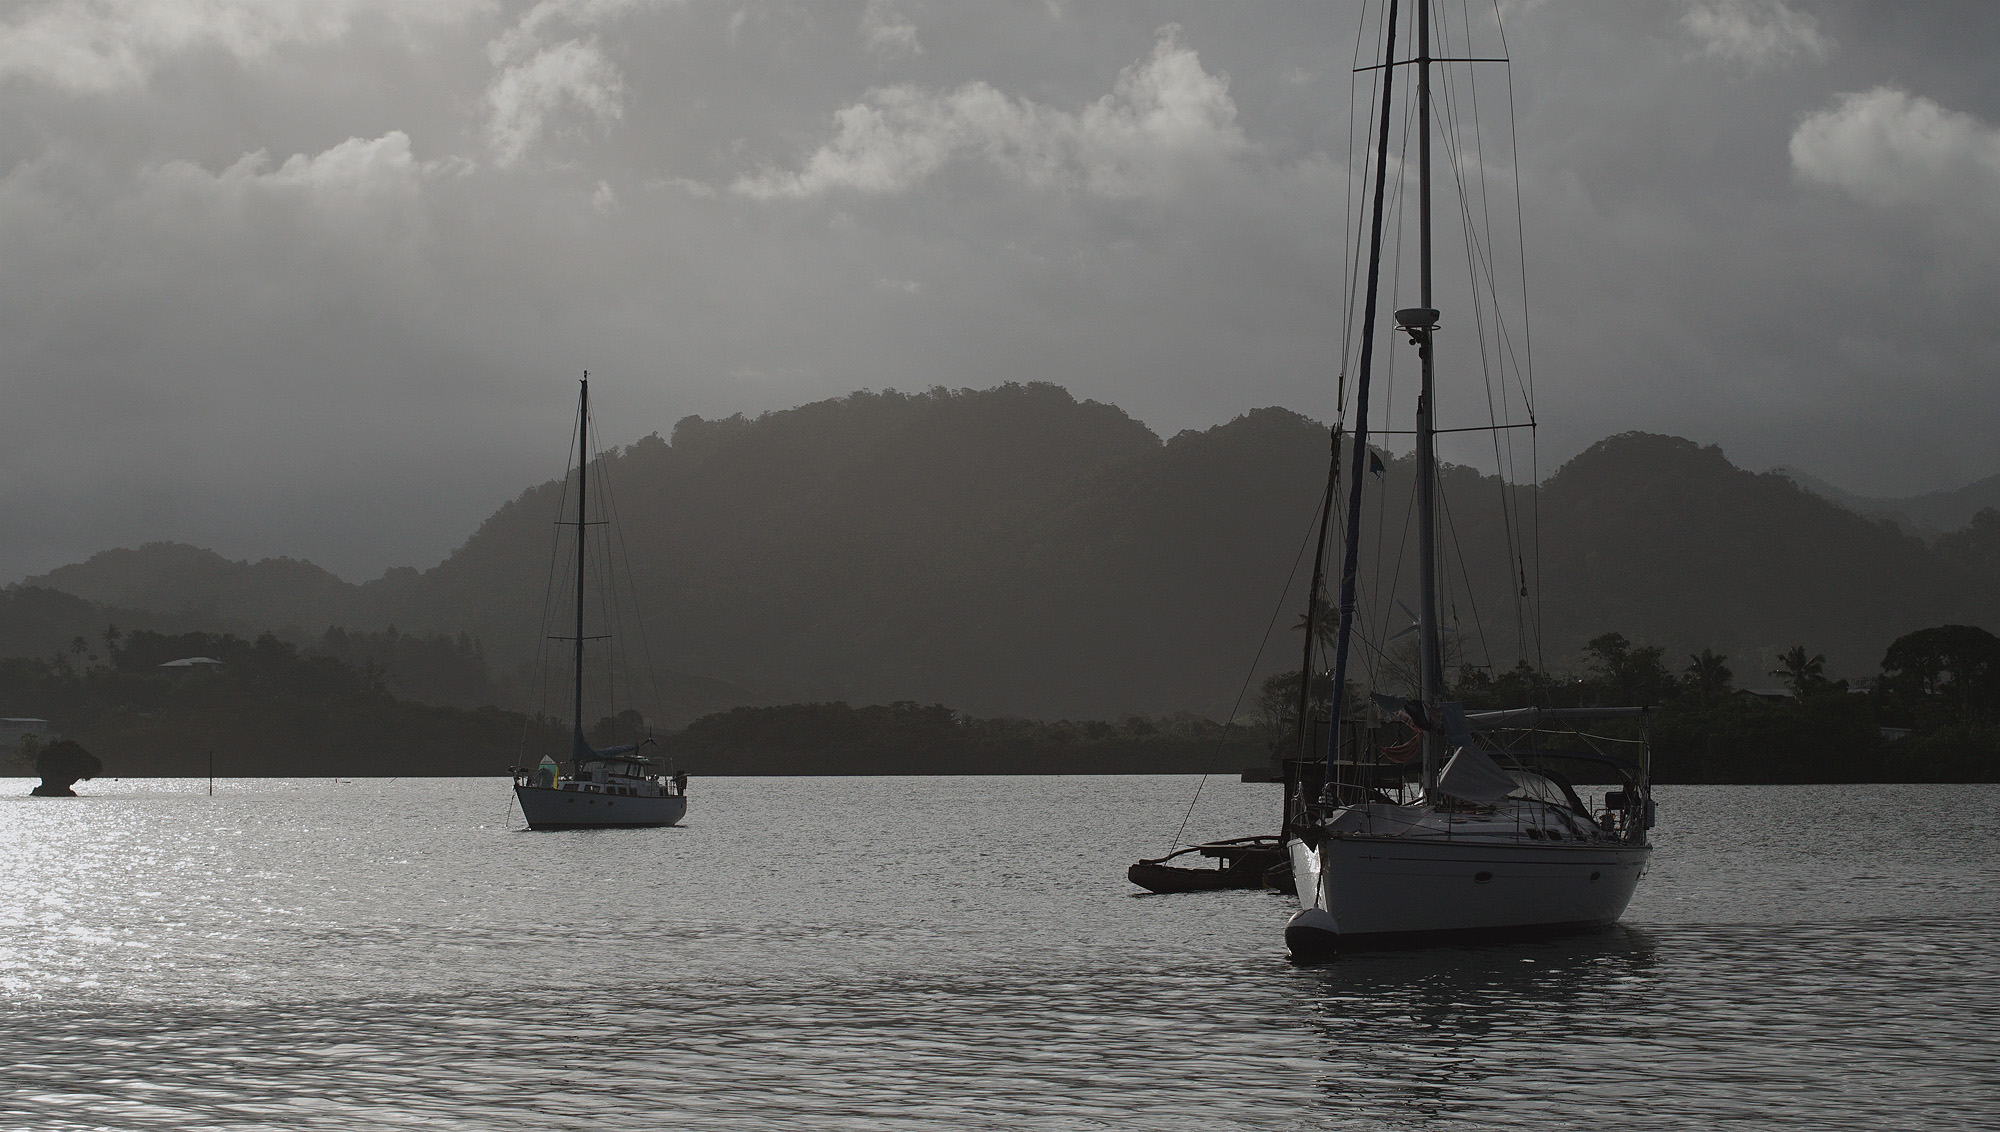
1484, 836
612, 786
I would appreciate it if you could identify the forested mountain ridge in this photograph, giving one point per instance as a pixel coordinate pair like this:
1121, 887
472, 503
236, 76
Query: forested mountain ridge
180, 579
1016, 551
1667, 541
1926, 516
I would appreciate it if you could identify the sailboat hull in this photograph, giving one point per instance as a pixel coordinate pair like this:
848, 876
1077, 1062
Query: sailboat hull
577, 809
1360, 892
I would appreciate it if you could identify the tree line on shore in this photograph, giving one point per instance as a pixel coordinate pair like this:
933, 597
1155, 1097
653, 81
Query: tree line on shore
1932, 715
260, 707
270, 708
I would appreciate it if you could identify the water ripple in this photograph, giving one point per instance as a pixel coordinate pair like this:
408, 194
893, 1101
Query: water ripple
814, 953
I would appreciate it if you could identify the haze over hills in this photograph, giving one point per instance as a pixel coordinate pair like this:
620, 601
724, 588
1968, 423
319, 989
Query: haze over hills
1015, 551
1927, 515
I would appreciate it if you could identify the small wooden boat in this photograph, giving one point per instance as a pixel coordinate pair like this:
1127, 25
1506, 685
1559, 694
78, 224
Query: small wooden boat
1241, 862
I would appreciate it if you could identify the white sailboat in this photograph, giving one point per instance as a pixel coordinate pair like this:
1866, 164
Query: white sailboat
1484, 837
609, 787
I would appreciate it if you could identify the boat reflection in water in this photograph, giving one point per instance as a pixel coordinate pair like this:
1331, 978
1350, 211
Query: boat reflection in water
1491, 1035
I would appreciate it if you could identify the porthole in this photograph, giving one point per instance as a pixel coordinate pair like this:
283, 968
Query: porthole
1594, 876
1481, 878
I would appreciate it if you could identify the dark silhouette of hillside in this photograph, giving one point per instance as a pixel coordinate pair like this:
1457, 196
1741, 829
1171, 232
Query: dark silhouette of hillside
1016, 552
173, 578
41, 622
1926, 516
1670, 540
266, 709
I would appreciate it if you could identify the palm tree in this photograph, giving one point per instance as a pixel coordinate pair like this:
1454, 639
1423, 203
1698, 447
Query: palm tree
1802, 673
1325, 624
1707, 677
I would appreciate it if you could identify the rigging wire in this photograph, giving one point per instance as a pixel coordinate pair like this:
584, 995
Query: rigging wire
1383, 610
1525, 365
615, 529
1478, 255
1284, 594
542, 659
601, 572
1471, 595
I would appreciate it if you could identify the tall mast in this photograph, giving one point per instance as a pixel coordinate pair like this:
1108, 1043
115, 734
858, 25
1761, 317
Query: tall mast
577, 744
1350, 563
1431, 660
1315, 597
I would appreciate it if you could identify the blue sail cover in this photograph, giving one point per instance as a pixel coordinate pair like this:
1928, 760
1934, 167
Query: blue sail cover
582, 751
1471, 773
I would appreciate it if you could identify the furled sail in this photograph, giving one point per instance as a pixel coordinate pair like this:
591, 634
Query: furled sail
582, 751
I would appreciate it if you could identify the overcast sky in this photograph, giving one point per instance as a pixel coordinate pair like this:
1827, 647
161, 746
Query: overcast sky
314, 277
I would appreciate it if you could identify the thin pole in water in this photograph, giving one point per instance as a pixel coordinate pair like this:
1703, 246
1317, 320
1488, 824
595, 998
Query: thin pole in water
211, 772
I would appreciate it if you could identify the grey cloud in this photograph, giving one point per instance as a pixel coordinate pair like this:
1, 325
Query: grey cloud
308, 289
1888, 147
526, 94
887, 31
1757, 32
1164, 114
94, 46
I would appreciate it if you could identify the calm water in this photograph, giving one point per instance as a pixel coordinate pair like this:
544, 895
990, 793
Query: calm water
951, 953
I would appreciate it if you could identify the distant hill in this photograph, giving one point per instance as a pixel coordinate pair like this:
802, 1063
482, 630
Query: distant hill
1927, 515
180, 579
1668, 542
1014, 551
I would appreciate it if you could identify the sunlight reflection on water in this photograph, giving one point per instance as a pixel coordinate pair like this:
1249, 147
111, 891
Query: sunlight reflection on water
931, 953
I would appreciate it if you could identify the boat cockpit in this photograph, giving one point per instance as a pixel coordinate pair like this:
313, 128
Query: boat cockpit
622, 775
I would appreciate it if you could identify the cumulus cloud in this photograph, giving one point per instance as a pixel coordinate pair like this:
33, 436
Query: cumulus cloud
359, 212
1887, 147
571, 76
1756, 32
1165, 116
539, 80
886, 31
356, 169
536, 25
94, 46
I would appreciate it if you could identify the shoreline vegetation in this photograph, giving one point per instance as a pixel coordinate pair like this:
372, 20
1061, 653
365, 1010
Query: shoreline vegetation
269, 709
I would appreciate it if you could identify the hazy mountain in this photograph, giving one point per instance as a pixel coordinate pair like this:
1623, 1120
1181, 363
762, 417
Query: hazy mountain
176, 578
1952, 510
1928, 515
1016, 551
1667, 541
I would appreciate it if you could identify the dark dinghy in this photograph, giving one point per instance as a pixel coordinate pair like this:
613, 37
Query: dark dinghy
1241, 862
